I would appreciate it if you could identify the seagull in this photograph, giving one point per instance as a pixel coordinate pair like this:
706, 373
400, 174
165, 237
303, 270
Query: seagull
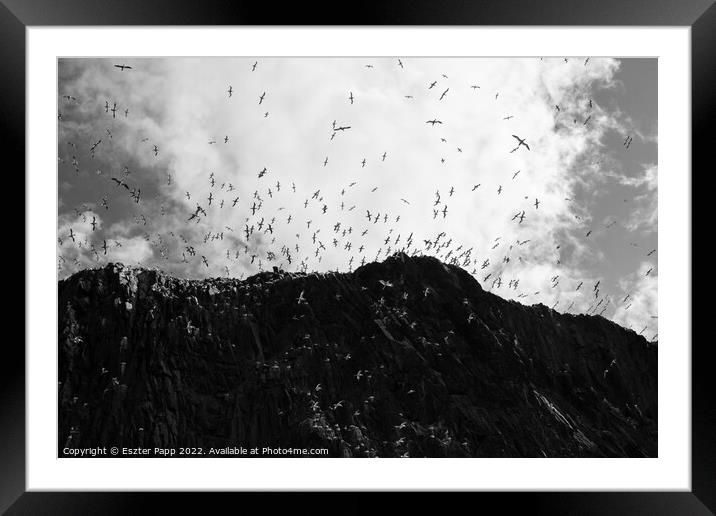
433, 122
261, 98
230, 90
521, 142
341, 128
444, 93
120, 182
122, 67
350, 97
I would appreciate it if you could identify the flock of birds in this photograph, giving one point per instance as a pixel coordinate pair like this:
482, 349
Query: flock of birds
240, 224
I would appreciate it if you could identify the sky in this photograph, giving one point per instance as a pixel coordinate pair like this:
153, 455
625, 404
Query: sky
328, 163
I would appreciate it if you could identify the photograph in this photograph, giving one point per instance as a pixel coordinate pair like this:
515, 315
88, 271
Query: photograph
357, 257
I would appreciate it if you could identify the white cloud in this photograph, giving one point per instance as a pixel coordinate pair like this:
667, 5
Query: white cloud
640, 310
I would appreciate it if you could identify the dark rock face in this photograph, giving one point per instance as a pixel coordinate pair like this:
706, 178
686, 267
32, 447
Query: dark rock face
409, 357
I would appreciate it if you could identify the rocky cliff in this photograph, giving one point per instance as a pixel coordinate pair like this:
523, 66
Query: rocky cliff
405, 358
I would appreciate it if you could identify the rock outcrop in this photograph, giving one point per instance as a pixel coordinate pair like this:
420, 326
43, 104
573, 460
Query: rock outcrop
405, 358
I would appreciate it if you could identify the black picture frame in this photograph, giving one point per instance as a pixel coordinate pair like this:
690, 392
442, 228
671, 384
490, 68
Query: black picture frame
17, 15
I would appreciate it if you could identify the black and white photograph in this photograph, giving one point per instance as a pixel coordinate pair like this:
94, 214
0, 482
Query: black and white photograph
359, 257
454, 241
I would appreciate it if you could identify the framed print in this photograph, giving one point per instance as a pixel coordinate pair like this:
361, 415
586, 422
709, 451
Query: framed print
437, 250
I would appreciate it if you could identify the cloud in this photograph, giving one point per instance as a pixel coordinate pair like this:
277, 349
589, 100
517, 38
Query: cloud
80, 246
640, 309
645, 215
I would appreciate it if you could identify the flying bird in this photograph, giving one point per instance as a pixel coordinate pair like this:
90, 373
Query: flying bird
120, 182
521, 142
